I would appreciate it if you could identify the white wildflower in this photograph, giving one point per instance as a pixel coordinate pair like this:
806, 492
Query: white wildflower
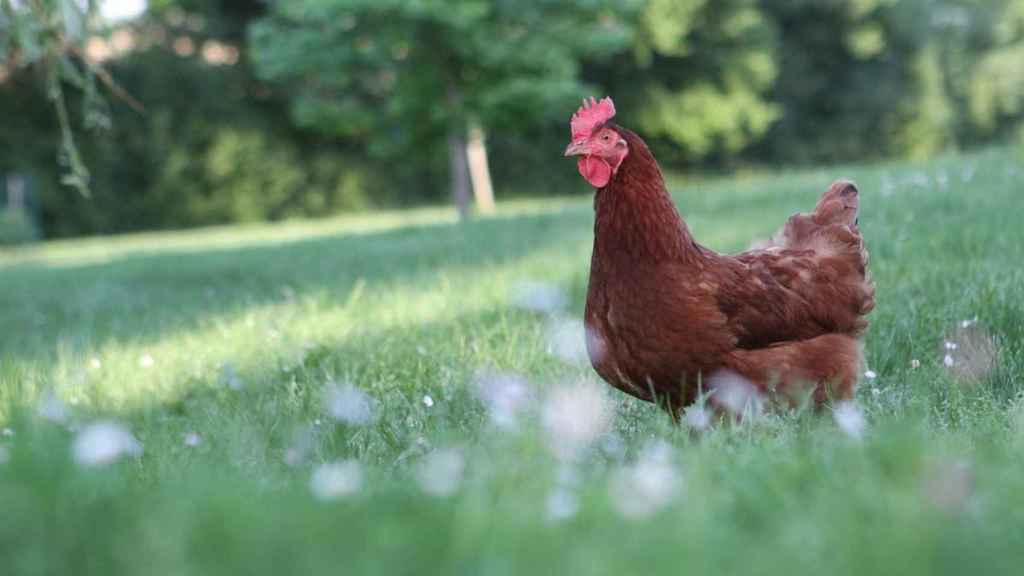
948, 361
613, 446
567, 339
697, 417
300, 447
336, 480
506, 397
95, 363
146, 361
7, 432
193, 439
229, 377
850, 419
440, 473
915, 364
574, 416
951, 345
968, 323
539, 297
735, 393
562, 504
649, 485
428, 401
52, 408
870, 374
104, 442
349, 404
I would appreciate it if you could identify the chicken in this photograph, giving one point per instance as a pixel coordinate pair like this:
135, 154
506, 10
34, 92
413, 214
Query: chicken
668, 319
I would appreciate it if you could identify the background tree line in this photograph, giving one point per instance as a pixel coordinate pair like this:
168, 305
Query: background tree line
262, 111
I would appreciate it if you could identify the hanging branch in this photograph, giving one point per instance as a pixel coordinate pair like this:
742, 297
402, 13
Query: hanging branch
51, 26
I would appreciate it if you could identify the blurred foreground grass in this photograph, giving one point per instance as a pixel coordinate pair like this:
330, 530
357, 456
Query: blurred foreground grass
402, 349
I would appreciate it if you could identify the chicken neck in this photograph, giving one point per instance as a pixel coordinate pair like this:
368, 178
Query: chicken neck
635, 216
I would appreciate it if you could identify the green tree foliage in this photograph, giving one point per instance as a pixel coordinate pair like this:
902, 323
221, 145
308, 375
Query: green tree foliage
845, 68
400, 77
49, 35
213, 146
697, 75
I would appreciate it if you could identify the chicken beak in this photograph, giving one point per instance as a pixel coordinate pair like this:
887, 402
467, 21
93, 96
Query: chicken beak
576, 149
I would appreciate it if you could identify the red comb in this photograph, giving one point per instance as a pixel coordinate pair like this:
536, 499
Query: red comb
591, 115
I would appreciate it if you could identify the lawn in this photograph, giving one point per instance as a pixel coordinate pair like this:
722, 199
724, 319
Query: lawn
401, 394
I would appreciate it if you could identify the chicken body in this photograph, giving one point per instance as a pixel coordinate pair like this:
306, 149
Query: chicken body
666, 316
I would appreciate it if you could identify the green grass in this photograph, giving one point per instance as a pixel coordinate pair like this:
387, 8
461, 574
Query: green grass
236, 333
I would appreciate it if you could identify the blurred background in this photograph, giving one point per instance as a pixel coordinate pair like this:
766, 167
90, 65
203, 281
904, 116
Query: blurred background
124, 115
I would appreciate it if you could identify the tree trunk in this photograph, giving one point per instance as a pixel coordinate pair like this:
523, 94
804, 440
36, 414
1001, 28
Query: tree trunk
458, 170
479, 172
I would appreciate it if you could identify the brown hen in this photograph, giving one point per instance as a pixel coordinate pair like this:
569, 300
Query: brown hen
666, 316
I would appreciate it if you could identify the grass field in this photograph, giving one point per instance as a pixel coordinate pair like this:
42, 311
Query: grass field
399, 394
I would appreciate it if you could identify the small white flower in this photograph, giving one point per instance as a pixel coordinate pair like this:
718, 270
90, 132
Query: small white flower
697, 417
968, 323
613, 446
336, 480
568, 475
52, 408
7, 432
875, 391
915, 364
230, 378
428, 401
951, 345
948, 361
641, 490
146, 361
300, 446
871, 375
193, 439
567, 339
574, 416
95, 363
562, 504
735, 393
104, 442
440, 473
539, 297
506, 397
348, 404
850, 419
316, 422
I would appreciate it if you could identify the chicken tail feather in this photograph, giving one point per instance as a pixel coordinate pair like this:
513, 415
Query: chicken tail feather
826, 366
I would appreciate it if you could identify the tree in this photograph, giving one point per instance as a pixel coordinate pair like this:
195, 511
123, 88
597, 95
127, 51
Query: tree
404, 76
51, 34
698, 76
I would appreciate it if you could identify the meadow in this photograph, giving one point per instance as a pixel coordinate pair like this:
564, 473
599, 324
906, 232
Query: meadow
398, 393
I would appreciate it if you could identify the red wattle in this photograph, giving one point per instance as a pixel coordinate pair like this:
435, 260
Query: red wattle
595, 170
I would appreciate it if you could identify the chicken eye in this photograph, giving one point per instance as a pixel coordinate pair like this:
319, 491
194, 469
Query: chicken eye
606, 137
